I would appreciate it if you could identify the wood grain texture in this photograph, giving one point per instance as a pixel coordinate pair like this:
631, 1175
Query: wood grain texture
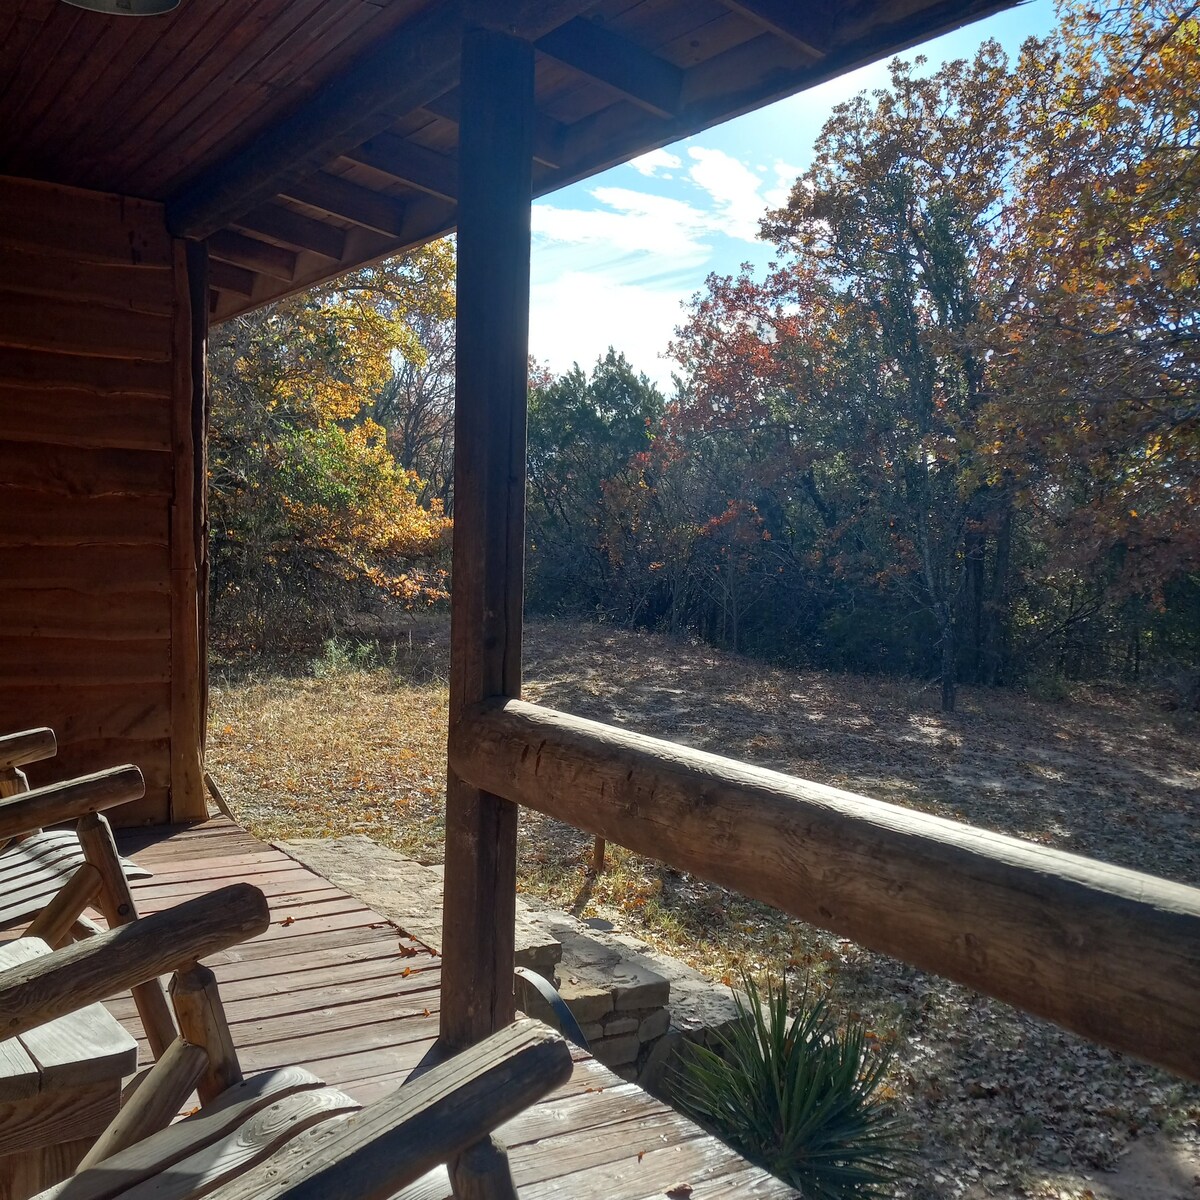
53, 924
71, 327
111, 962
61, 1115
275, 988
156, 1102
188, 541
70, 800
1111, 954
27, 746
492, 335
81, 418
91, 227
132, 1166
119, 908
202, 1021
395, 1141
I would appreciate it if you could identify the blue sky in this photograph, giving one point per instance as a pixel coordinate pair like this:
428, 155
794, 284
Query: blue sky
614, 257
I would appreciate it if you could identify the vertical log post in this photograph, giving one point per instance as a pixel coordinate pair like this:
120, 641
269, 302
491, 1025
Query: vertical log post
495, 190
186, 531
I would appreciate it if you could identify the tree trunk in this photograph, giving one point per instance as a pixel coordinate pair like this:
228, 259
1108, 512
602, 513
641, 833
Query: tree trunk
948, 658
995, 642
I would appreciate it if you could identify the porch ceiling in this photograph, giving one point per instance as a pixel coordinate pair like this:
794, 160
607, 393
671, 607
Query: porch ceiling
305, 137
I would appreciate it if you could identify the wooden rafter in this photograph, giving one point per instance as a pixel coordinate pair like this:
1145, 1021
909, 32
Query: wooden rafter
643, 78
359, 205
426, 170
225, 277
807, 26
548, 134
292, 229
415, 64
254, 255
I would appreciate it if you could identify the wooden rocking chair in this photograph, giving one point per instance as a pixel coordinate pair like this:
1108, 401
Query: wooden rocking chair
49, 877
280, 1134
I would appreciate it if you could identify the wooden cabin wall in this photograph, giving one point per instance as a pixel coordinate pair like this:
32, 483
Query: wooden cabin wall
99, 609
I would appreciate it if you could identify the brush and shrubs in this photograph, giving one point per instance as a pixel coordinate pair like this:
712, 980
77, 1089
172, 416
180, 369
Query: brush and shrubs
801, 1095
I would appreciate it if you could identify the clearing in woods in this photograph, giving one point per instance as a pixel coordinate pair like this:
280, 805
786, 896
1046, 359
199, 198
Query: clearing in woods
1003, 1104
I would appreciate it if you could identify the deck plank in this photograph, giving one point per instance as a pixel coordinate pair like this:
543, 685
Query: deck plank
339, 989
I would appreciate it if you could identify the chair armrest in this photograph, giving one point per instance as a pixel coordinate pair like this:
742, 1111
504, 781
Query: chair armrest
30, 745
430, 1120
48, 987
69, 800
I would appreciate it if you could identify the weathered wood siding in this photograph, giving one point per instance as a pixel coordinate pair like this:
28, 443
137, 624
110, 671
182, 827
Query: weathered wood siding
98, 624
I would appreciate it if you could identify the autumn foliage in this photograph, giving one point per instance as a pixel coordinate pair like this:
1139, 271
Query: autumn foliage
954, 430
317, 508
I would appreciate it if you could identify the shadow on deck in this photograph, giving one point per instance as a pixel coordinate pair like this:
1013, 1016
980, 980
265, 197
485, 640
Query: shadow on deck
335, 987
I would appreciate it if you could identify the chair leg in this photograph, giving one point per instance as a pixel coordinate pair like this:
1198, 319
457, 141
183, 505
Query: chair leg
116, 903
481, 1172
202, 1022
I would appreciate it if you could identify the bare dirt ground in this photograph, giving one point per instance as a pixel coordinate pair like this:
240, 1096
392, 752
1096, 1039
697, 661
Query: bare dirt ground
1003, 1104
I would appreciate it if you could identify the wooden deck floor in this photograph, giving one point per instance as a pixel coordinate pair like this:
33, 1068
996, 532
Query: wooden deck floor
335, 987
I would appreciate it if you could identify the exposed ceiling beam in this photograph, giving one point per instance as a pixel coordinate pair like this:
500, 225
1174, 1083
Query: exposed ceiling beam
292, 229
359, 205
413, 65
253, 255
645, 79
805, 26
226, 277
548, 134
424, 169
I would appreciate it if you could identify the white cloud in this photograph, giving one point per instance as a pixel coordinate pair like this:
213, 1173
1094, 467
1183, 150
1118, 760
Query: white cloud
655, 162
734, 189
631, 223
576, 315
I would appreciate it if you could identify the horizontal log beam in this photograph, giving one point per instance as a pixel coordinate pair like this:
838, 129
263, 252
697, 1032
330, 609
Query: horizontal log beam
643, 78
1112, 954
28, 746
70, 800
52, 985
225, 277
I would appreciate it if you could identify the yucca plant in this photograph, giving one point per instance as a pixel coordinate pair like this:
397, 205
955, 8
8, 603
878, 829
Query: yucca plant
799, 1095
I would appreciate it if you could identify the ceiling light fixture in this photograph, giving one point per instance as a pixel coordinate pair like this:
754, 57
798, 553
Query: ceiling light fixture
126, 8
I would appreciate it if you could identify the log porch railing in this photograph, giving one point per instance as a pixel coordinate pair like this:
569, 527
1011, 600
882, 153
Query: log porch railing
1109, 953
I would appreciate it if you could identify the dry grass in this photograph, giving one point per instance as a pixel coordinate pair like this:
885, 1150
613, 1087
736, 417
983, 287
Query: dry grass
1005, 1104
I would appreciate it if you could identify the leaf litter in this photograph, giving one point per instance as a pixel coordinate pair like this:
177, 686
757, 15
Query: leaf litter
1004, 1104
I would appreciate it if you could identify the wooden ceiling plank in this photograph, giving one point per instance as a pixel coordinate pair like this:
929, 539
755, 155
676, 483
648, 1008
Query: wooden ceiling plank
405, 70
637, 75
201, 130
807, 27
207, 102
56, 98
171, 69
425, 170
254, 255
358, 205
547, 134
55, 38
226, 277
292, 229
